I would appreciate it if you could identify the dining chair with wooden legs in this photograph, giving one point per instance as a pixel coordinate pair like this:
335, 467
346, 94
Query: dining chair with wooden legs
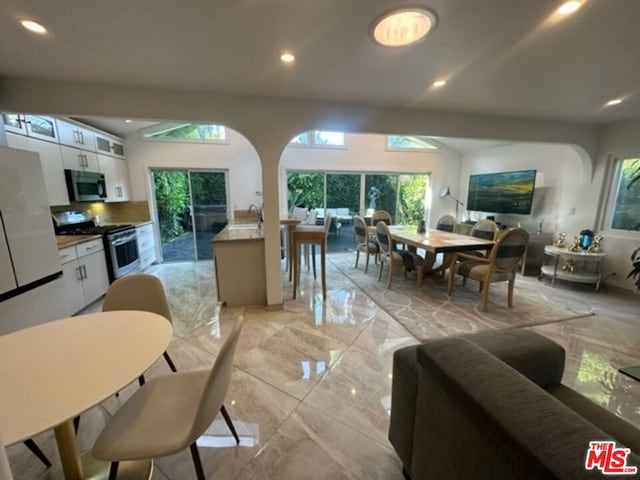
169, 413
500, 266
363, 241
388, 254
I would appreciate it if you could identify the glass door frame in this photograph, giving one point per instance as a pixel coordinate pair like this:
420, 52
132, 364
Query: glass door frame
188, 170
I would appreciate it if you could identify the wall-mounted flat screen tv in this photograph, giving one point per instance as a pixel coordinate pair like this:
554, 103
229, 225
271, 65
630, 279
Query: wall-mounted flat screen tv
503, 192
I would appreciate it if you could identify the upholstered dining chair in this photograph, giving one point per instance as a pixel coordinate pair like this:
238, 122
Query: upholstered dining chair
139, 291
487, 230
169, 413
389, 254
446, 223
381, 216
500, 266
364, 242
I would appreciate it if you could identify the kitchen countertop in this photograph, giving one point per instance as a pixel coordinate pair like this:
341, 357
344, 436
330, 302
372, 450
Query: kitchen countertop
229, 234
64, 241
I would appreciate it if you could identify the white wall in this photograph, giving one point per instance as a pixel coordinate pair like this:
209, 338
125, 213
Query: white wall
559, 196
238, 157
367, 153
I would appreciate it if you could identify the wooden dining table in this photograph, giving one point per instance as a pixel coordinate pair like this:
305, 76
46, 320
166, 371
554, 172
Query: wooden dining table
434, 242
52, 372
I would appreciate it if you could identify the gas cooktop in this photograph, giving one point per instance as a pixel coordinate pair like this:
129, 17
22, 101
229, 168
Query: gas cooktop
81, 223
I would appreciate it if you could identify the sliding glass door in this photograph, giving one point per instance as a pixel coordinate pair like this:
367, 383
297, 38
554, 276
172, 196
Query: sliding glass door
191, 207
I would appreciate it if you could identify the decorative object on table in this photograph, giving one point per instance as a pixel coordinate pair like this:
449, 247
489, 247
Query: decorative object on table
540, 222
575, 245
569, 265
586, 237
560, 241
595, 245
422, 227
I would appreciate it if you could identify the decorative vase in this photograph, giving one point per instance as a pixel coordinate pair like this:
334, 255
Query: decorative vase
586, 237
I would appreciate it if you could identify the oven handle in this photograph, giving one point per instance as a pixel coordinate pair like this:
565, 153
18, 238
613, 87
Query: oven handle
122, 241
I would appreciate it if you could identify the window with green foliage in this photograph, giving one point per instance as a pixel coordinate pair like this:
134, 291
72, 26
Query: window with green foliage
188, 131
410, 142
626, 210
172, 199
404, 196
319, 138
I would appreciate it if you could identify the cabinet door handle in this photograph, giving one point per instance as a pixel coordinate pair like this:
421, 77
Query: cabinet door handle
86, 160
78, 274
81, 137
84, 270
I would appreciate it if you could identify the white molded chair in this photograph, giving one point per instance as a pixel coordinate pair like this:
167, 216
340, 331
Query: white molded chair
140, 291
169, 413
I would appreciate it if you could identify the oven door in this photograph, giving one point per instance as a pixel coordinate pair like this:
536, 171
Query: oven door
124, 253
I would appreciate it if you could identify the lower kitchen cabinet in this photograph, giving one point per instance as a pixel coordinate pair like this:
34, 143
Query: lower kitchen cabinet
84, 272
146, 245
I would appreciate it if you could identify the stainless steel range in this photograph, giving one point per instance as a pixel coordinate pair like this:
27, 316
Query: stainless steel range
120, 242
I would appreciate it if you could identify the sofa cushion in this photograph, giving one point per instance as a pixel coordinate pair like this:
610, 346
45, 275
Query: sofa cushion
538, 358
623, 432
535, 356
478, 418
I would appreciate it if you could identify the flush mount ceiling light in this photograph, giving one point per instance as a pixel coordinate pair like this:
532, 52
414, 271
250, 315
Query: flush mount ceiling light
32, 26
402, 27
287, 57
615, 101
439, 83
569, 7
128, 120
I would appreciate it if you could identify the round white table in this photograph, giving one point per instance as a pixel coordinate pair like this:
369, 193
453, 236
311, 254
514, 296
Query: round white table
54, 371
574, 272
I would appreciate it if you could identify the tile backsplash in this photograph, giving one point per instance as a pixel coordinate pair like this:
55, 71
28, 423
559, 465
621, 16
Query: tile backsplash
121, 212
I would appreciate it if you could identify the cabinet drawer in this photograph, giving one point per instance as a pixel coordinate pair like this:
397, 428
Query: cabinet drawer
145, 230
66, 255
147, 257
87, 248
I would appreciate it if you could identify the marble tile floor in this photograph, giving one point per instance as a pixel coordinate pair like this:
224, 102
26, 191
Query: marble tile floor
310, 391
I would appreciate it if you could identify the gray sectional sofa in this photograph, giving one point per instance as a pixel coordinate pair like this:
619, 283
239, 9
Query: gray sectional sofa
491, 406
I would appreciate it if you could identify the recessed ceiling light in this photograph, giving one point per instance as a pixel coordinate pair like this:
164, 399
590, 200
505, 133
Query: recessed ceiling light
287, 57
128, 120
439, 83
569, 7
32, 26
402, 27
615, 101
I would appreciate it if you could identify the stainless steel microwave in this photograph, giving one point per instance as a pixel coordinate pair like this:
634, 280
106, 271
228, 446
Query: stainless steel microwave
85, 186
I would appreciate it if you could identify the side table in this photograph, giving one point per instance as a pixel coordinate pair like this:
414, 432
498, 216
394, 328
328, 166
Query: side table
580, 266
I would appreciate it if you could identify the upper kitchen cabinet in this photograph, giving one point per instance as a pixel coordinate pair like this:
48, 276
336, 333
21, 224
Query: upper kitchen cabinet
109, 145
35, 126
52, 166
116, 177
76, 136
76, 159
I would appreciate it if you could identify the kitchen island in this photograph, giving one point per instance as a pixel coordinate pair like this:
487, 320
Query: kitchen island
238, 255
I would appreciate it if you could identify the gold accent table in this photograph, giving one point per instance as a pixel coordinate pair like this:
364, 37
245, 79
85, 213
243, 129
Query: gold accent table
57, 370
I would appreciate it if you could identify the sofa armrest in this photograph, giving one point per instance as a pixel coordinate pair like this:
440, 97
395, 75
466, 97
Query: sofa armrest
479, 418
536, 357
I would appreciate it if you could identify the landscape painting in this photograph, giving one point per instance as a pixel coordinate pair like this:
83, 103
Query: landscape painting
503, 192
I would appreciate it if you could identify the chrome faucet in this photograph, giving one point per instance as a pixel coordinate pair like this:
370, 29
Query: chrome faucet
257, 212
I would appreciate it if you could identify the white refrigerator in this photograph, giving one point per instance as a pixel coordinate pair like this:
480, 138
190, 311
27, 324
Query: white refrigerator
28, 251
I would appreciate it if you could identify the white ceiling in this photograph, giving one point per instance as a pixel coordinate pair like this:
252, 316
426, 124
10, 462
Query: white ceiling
509, 57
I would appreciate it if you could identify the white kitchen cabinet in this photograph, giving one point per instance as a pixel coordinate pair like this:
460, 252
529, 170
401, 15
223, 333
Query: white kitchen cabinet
146, 245
85, 274
76, 159
52, 165
35, 126
116, 177
76, 136
109, 145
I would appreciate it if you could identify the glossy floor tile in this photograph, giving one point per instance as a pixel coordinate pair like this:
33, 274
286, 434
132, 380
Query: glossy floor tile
311, 384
